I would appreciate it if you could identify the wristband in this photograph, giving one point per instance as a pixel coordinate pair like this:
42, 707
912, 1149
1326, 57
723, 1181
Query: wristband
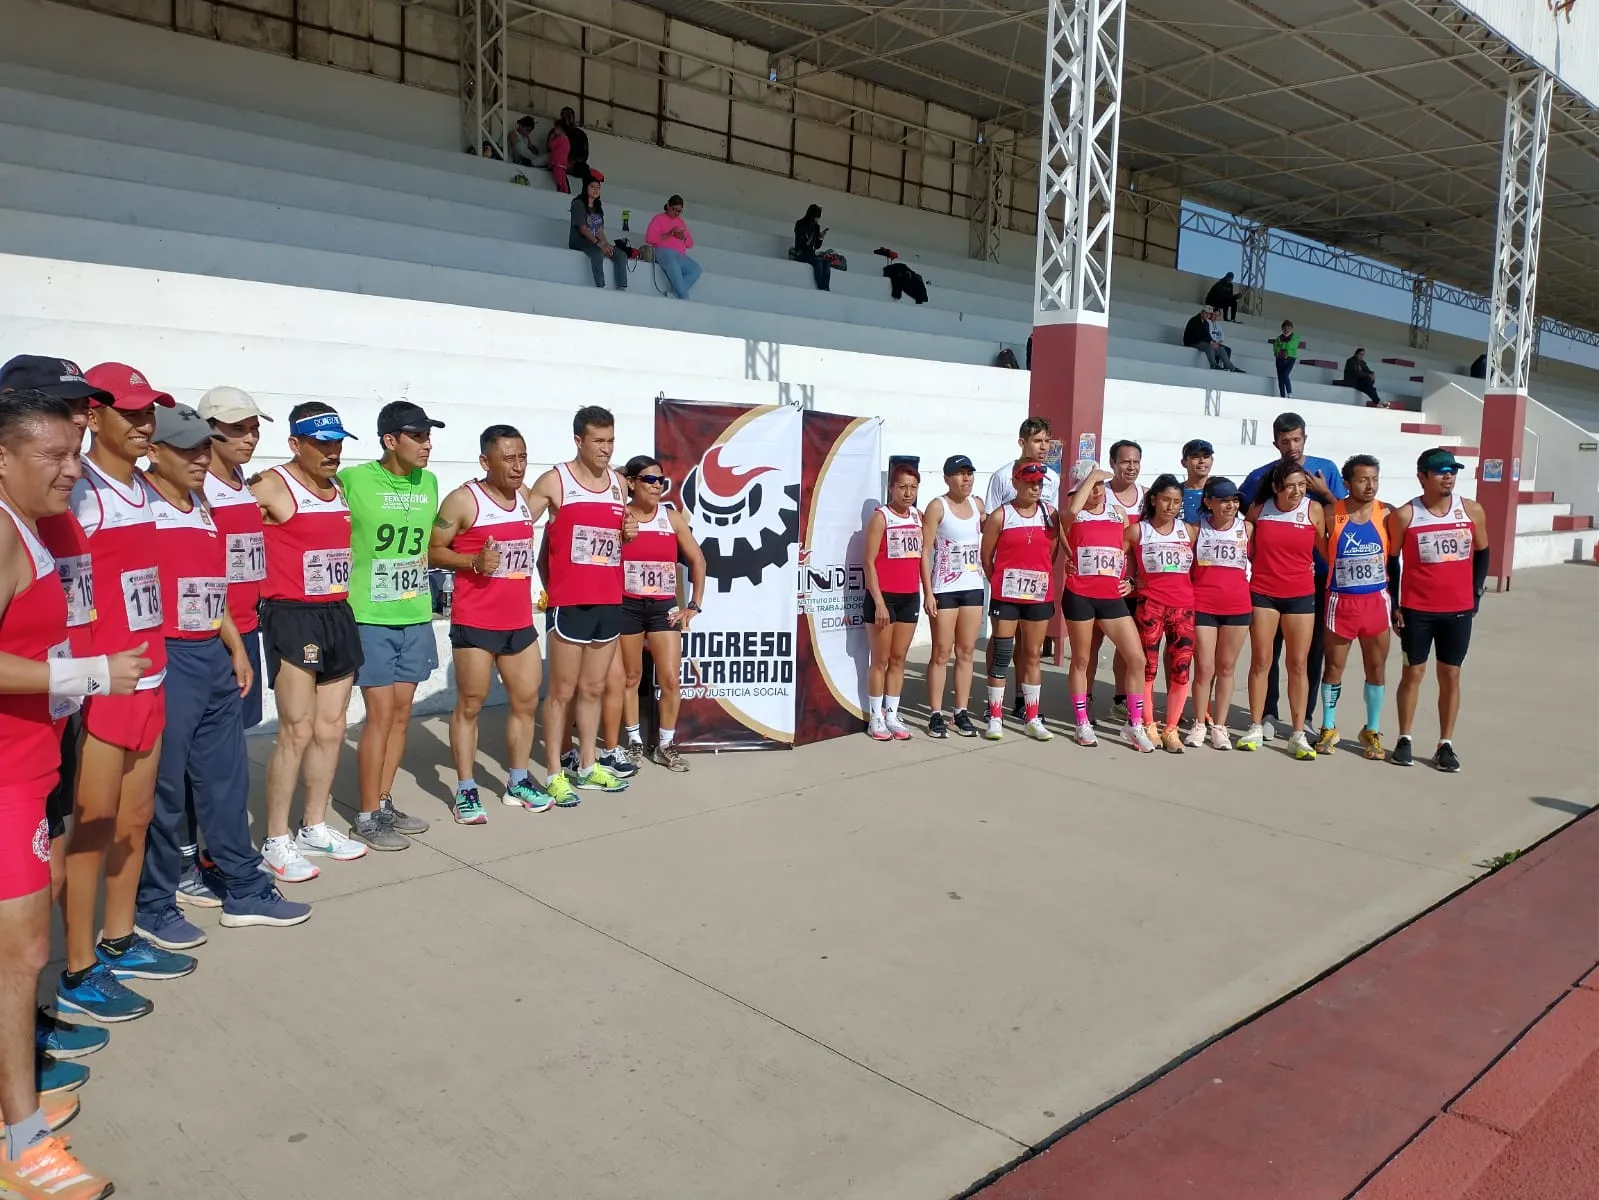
73, 678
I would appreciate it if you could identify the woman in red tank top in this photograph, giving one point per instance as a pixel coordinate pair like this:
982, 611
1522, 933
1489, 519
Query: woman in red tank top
1094, 528
1020, 539
1282, 547
1160, 555
650, 611
1222, 607
893, 599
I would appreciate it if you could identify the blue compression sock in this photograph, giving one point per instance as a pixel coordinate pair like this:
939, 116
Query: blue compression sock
1329, 704
465, 785
520, 775
1374, 693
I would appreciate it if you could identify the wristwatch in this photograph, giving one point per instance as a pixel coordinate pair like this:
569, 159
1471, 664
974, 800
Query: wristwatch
693, 606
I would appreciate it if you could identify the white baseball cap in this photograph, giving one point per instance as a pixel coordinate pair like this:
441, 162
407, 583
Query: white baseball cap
229, 405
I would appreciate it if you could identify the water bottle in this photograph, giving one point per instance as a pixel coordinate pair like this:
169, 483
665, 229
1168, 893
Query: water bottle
625, 216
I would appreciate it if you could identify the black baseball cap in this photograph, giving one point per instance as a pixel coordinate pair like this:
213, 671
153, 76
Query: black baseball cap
1219, 487
404, 417
958, 462
58, 377
1439, 458
1198, 448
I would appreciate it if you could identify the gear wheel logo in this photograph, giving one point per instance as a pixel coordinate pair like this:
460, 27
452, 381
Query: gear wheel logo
743, 521
41, 841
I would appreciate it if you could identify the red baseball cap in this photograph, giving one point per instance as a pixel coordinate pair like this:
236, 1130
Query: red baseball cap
129, 389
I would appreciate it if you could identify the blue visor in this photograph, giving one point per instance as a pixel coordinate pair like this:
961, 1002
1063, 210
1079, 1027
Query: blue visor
324, 427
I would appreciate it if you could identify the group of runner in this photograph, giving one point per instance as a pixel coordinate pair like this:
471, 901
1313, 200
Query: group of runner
1301, 560
144, 584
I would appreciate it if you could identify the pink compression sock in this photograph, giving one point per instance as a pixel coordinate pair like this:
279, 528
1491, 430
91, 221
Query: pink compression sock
1135, 709
1080, 707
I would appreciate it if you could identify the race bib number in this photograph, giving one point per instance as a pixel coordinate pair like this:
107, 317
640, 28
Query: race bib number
62, 706
956, 559
904, 542
592, 546
1026, 586
201, 603
141, 597
325, 572
1100, 560
1361, 571
1444, 545
398, 579
246, 557
1221, 554
516, 559
1167, 558
77, 580
650, 579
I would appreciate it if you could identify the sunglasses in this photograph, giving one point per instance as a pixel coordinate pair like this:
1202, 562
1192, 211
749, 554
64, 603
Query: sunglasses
661, 481
1036, 471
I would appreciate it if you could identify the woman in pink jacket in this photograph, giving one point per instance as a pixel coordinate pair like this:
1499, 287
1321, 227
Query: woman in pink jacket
672, 242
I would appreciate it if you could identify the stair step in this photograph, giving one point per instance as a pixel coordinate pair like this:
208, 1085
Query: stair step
1418, 379
1420, 427
1467, 451
1570, 521
1400, 362
1537, 497
1319, 362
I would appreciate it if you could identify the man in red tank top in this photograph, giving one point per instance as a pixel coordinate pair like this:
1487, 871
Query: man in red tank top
484, 533
583, 541
39, 464
1439, 541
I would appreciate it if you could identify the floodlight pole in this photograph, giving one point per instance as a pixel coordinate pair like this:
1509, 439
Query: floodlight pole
983, 204
1512, 320
1421, 298
483, 64
1252, 282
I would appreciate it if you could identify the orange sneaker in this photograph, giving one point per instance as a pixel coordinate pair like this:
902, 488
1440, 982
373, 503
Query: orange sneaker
47, 1171
58, 1110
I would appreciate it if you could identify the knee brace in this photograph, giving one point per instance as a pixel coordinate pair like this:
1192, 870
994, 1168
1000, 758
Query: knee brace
999, 667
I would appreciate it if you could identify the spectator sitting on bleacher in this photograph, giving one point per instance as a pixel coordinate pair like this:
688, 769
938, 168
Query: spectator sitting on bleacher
1359, 375
1202, 334
522, 152
672, 242
588, 235
1223, 298
577, 154
808, 238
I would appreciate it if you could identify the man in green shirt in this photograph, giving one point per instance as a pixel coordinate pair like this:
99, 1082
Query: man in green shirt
393, 503
1285, 349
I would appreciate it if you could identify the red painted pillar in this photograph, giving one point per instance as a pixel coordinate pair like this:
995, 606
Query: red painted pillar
1068, 388
1504, 420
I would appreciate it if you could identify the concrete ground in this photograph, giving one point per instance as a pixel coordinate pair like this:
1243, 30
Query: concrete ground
851, 970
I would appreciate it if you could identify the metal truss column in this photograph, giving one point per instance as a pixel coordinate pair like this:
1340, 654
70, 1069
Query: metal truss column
1252, 280
1512, 323
984, 207
483, 86
1421, 297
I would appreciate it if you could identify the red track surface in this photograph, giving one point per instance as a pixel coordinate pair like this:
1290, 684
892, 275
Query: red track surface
1310, 1098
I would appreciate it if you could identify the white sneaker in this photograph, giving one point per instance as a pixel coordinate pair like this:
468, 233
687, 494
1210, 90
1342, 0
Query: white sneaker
1086, 735
1267, 730
1254, 737
996, 729
1037, 729
1196, 735
877, 729
282, 859
897, 729
1138, 738
328, 843
1219, 739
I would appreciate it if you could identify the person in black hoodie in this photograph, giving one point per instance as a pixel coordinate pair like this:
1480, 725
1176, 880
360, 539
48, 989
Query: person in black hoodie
578, 155
1223, 297
808, 238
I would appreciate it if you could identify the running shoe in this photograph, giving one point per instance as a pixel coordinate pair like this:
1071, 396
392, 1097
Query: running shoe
635, 752
58, 1110
1171, 742
620, 764
373, 829
47, 1169
1445, 758
561, 793
1138, 738
1219, 739
996, 727
526, 794
670, 757
65, 1040
1327, 741
1154, 735
1018, 711
963, 723
1118, 710
400, 822
101, 995
877, 729
1268, 730
322, 841
1402, 757
1253, 737
196, 890
52, 1077
937, 727
1196, 735
599, 779
268, 908
1301, 747
168, 929
570, 760
897, 729
1038, 731
1372, 741
144, 960
281, 857
468, 808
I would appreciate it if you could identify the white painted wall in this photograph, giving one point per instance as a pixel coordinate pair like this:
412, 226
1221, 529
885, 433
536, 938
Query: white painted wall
1566, 44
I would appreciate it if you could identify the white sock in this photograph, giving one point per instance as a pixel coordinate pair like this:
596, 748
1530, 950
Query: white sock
666, 736
1030, 693
633, 734
874, 706
891, 706
996, 695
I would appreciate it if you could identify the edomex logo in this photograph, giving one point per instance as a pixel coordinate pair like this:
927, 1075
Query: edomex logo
744, 519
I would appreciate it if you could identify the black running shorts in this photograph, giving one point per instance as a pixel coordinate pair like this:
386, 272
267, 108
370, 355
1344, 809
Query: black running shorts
318, 636
1449, 634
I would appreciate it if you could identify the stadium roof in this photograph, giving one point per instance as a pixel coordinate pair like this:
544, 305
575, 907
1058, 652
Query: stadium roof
1372, 125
